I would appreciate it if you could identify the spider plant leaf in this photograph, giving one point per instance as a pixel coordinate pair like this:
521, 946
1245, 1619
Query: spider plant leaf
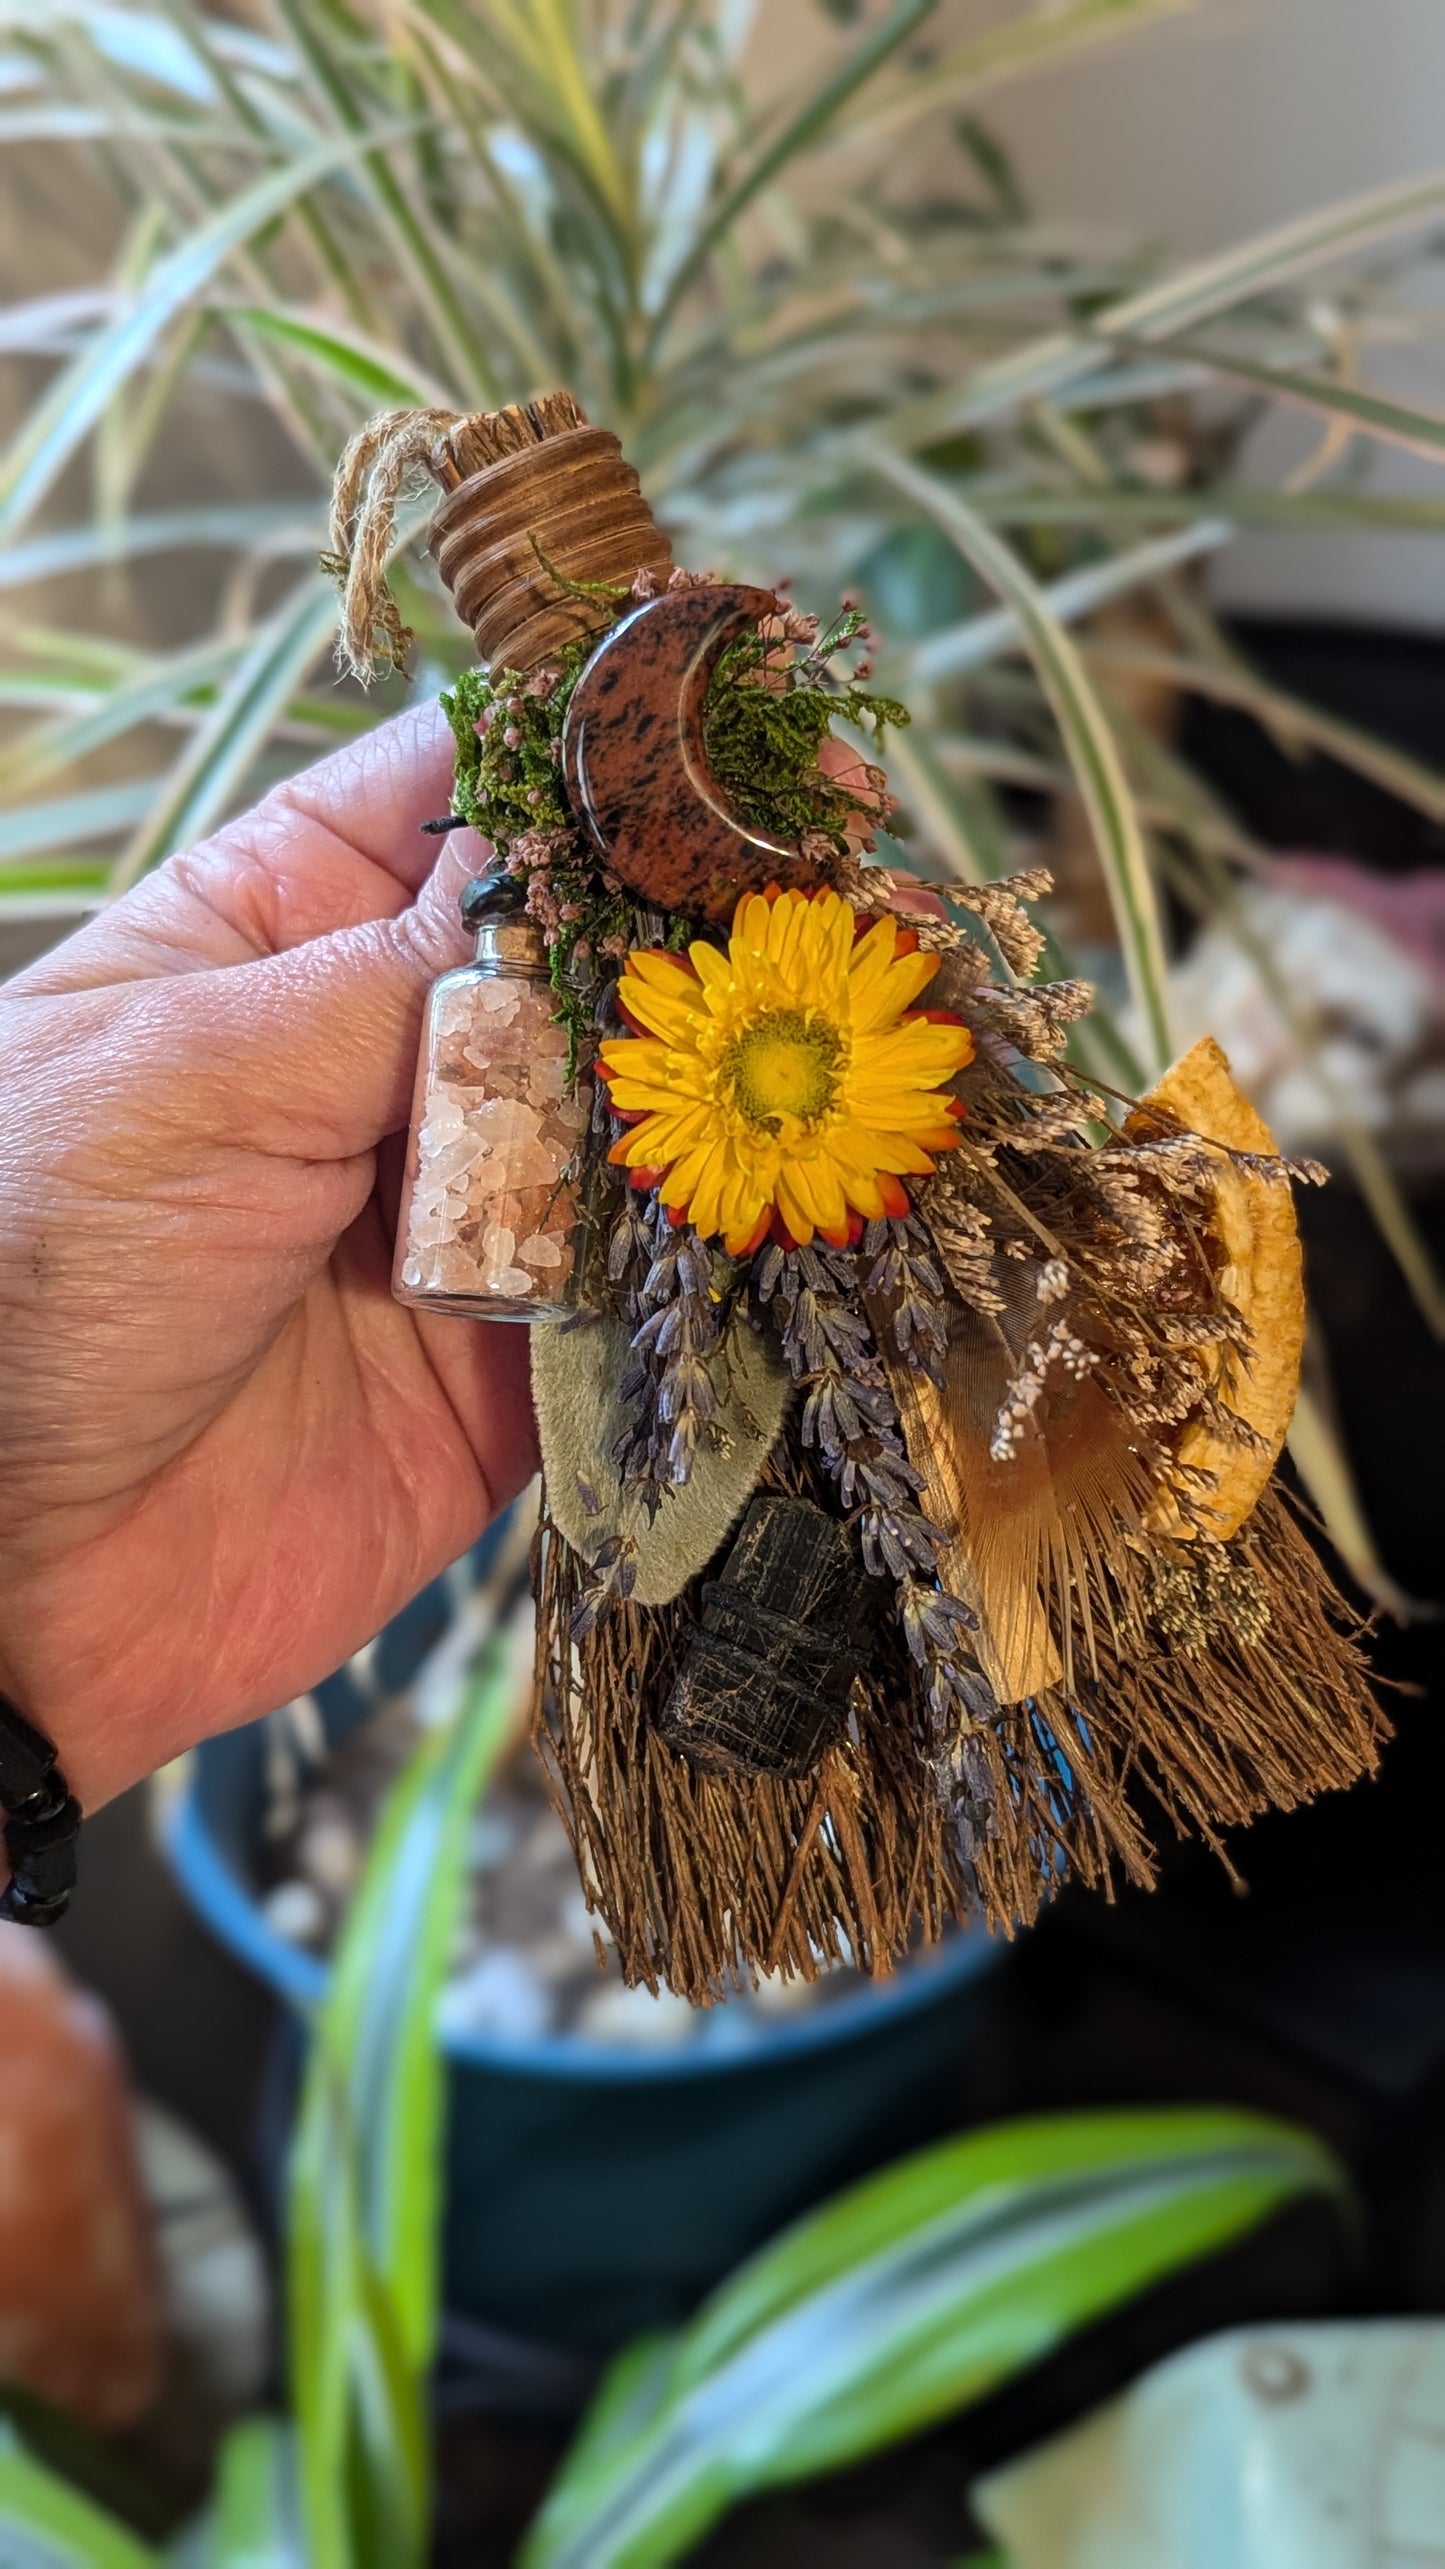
1268, 260
1031, 43
913, 765
1232, 684
45, 2524
216, 761
817, 113
1093, 755
262, 685
366, 2162
1394, 423
70, 818
375, 373
70, 892
247, 103
541, 36
255, 2521
1383, 512
1199, 292
70, 406
44, 321
60, 124
968, 646
1321, 1458
910, 2296
238, 526
157, 690
144, 44
418, 247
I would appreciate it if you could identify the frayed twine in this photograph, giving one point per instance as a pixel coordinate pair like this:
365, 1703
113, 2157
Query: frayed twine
383, 461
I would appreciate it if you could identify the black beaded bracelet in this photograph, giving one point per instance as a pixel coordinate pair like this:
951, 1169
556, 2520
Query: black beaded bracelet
42, 1823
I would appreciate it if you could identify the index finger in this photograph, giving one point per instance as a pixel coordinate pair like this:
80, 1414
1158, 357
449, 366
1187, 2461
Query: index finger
337, 845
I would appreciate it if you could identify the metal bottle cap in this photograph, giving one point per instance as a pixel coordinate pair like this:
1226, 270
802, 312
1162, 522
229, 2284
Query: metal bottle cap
508, 942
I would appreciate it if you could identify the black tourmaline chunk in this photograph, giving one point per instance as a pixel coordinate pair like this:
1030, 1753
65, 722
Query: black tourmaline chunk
764, 1689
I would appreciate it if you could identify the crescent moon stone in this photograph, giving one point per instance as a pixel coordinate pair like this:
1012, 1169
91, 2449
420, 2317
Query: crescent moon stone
634, 757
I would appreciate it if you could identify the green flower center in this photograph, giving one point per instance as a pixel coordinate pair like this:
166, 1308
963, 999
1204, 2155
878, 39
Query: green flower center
784, 1063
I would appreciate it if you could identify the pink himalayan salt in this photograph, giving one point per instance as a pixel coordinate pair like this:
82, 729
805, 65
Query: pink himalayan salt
489, 1217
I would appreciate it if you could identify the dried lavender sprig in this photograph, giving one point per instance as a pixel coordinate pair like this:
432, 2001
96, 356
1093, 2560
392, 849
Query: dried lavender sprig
902, 1276
850, 1418
614, 1576
676, 1330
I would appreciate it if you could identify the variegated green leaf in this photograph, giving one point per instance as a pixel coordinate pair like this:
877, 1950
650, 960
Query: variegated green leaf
44, 2524
910, 2296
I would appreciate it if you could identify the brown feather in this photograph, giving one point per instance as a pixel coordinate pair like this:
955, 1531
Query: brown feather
1033, 1537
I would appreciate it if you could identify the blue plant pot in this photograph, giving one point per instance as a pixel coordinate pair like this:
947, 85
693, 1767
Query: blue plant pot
594, 2190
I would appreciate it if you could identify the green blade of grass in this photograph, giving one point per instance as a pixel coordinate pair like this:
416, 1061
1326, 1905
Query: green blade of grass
70, 406
1083, 724
910, 2296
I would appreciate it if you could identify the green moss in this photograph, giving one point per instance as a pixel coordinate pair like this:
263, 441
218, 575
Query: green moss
507, 776
765, 722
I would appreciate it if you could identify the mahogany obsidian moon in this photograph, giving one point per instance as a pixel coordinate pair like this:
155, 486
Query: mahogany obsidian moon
635, 759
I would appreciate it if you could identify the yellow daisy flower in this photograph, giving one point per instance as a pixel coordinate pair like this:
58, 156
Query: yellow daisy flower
788, 1083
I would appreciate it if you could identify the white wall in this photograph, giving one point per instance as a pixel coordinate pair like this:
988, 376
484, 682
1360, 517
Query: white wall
1239, 115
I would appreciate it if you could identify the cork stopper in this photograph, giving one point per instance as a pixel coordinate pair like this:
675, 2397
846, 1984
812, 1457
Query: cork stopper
540, 504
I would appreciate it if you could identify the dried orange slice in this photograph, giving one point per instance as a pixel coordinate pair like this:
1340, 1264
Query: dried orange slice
1261, 1272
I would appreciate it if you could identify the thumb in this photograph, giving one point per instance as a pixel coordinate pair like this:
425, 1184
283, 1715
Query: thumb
312, 1054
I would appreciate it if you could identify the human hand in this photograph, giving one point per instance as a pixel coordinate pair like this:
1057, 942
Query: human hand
226, 1455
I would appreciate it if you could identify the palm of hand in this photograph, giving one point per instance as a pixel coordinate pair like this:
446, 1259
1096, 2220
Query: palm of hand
226, 1455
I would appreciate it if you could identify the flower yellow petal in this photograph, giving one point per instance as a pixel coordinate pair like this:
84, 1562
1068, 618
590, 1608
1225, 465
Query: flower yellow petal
672, 1015
864, 1194
713, 969
752, 923
824, 1190
660, 971
706, 1203
792, 1207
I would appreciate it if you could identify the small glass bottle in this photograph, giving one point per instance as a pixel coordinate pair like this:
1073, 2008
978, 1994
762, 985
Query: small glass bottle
489, 1215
